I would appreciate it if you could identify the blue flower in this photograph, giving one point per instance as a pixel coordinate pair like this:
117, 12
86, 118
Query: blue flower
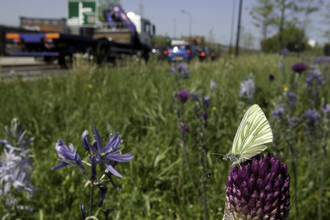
247, 88
315, 76
292, 98
109, 153
106, 213
103, 192
182, 70
68, 156
284, 51
326, 108
206, 101
311, 116
279, 111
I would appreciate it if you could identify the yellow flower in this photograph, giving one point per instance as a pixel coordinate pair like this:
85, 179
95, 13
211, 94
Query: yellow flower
285, 89
90, 86
214, 108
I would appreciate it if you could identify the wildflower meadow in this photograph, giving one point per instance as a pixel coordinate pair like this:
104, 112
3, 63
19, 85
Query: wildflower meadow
145, 141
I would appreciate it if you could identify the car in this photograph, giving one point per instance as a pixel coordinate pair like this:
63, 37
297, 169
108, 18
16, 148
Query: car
181, 52
203, 53
213, 54
160, 52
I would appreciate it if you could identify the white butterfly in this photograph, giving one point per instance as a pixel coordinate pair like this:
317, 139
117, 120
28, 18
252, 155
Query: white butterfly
251, 137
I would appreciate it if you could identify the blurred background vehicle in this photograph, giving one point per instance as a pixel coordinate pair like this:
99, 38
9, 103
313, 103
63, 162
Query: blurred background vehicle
181, 52
213, 54
203, 53
160, 52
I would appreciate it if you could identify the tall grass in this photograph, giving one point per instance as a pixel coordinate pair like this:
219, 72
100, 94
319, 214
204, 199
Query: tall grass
136, 101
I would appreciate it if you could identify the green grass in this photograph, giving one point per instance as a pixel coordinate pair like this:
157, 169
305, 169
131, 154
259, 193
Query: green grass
136, 101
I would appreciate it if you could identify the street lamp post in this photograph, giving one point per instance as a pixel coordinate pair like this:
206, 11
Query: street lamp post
190, 22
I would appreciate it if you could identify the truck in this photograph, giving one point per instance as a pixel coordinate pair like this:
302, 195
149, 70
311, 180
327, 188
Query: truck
122, 34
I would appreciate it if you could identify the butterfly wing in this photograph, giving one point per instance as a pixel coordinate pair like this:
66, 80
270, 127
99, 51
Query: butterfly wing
253, 133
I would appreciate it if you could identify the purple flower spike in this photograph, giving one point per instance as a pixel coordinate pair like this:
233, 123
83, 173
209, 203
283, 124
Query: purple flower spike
279, 111
84, 140
109, 154
292, 98
258, 189
195, 96
103, 192
326, 108
299, 67
185, 128
311, 116
182, 96
68, 156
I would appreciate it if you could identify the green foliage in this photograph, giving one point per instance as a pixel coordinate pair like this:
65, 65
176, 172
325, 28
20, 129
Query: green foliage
291, 34
136, 101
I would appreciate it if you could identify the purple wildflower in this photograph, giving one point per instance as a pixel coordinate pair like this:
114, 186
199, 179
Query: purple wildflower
284, 51
110, 152
185, 128
68, 156
258, 189
247, 88
279, 111
82, 209
299, 67
315, 76
106, 213
182, 96
326, 108
292, 98
182, 71
206, 101
103, 192
195, 96
271, 77
311, 116
205, 116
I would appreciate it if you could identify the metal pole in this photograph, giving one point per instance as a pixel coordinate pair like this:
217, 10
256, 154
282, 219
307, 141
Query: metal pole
174, 27
238, 27
232, 27
190, 23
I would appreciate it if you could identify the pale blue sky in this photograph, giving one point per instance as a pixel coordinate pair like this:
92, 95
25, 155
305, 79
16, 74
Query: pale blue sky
206, 14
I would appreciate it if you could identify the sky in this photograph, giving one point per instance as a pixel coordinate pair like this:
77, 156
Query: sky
167, 16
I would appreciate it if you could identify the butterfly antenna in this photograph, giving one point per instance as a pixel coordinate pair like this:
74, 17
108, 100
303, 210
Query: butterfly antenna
209, 174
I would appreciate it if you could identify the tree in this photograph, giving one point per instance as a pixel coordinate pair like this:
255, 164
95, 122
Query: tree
287, 12
262, 14
103, 5
248, 40
326, 21
291, 34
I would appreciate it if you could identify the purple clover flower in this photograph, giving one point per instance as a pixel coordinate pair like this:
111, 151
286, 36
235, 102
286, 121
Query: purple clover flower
109, 154
311, 116
299, 67
68, 156
258, 189
271, 77
185, 128
182, 96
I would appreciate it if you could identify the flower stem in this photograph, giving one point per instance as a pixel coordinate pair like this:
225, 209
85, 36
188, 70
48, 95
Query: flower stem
322, 175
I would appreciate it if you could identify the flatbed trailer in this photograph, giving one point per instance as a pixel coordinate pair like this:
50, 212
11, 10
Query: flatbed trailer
119, 36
